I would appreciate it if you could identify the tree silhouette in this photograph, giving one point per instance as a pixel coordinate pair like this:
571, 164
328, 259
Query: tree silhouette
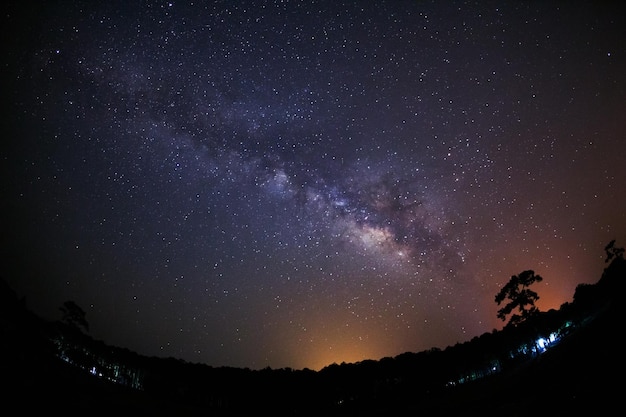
74, 316
520, 297
612, 251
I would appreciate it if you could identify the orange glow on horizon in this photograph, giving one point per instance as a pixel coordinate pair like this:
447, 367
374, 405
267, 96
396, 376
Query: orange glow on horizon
344, 351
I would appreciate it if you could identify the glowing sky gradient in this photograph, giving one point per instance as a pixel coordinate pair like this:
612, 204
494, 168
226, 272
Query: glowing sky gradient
292, 184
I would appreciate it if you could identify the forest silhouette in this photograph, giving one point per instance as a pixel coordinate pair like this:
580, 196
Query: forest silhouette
560, 362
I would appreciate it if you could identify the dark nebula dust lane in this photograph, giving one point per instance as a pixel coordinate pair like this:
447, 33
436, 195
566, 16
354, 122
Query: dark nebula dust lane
292, 184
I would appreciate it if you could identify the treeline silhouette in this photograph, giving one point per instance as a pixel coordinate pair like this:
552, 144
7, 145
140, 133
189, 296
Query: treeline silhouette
560, 362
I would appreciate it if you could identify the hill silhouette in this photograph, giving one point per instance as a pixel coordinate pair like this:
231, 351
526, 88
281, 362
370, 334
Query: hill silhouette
561, 362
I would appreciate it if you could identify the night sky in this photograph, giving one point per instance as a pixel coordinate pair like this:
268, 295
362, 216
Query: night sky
300, 183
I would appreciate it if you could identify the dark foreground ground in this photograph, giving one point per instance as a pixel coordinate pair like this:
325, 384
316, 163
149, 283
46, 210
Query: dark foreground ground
580, 376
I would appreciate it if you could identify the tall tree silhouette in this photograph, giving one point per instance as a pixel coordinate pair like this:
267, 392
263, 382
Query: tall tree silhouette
74, 316
519, 297
613, 252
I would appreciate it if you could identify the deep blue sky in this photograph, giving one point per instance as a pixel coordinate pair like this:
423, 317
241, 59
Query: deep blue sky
292, 184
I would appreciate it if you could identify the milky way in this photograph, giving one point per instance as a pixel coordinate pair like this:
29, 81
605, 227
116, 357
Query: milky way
292, 184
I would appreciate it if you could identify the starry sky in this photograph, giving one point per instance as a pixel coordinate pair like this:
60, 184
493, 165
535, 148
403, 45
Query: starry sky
300, 183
